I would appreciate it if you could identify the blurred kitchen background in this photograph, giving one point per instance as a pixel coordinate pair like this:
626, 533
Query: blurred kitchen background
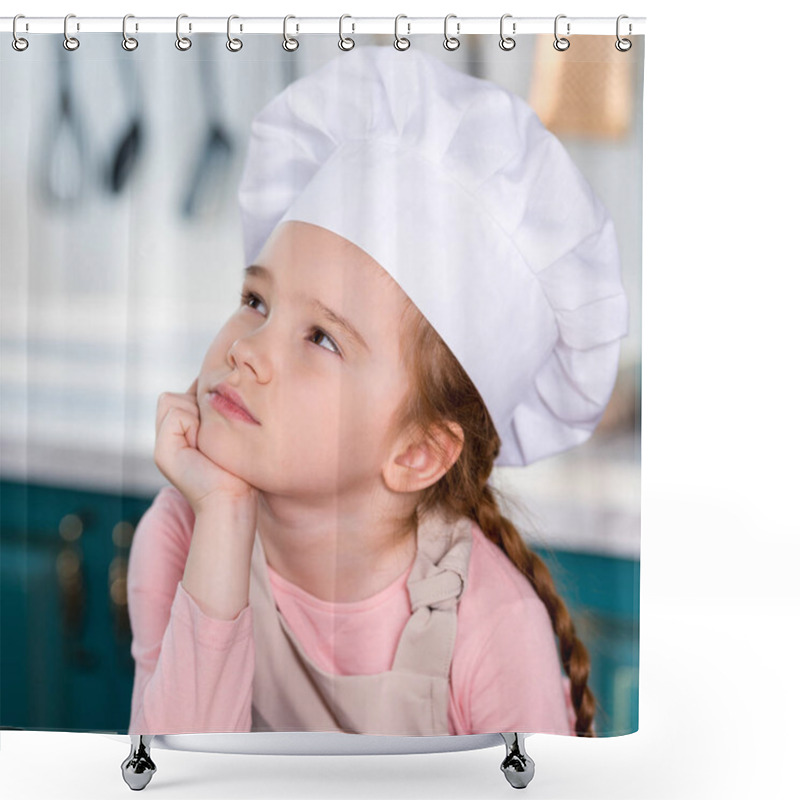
120, 258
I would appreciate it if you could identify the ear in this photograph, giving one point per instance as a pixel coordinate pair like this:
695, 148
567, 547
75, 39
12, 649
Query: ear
418, 462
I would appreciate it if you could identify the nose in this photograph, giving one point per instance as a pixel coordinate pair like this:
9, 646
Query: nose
251, 352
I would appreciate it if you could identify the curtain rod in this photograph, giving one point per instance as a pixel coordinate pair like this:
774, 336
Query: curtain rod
299, 25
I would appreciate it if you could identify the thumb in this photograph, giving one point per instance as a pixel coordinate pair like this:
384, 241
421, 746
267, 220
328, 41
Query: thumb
193, 388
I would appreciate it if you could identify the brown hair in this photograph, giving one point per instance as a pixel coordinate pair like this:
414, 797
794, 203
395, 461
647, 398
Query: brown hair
442, 390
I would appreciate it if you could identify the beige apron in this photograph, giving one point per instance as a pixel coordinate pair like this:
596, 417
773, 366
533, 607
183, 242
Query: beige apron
290, 693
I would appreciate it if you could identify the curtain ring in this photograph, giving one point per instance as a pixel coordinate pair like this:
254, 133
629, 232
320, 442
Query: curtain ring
507, 42
182, 42
400, 42
451, 42
234, 45
623, 45
345, 42
561, 44
70, 42
289, 43
18, 43
128, 42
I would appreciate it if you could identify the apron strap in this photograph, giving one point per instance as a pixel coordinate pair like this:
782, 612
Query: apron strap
435, 585
439, 591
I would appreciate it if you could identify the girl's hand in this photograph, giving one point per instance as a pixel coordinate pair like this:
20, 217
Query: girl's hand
198, 478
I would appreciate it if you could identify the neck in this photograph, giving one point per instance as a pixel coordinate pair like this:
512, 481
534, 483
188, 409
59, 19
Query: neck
336, 552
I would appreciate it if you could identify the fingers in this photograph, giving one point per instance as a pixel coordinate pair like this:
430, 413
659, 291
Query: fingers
177, 430
189, 427
174, 400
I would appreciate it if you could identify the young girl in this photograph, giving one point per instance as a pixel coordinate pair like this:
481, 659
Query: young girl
432, 289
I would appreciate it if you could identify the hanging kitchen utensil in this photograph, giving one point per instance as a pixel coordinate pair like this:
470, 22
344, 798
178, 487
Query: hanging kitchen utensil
126, 154
203, 195
64, 161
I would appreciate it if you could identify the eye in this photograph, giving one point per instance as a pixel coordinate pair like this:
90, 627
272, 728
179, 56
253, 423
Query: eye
252, 300
248, 297
325, 336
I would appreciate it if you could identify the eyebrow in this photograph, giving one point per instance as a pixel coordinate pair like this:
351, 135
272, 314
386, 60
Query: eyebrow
258, 271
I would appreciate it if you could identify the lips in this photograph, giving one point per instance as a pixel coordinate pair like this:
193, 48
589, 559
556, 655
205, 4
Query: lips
233, 398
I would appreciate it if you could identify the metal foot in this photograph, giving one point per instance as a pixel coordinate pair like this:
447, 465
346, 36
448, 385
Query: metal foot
517, 766
138, 768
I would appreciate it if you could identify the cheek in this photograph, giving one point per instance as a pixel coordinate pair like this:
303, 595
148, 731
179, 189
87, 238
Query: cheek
370, 403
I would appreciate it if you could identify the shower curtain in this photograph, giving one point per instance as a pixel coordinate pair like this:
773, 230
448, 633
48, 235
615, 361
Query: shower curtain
206, 526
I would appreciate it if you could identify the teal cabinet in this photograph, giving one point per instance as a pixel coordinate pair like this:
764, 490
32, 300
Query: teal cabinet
602, 595
65, 662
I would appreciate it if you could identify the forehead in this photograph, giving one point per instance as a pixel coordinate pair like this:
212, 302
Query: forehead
314, 265
300, 251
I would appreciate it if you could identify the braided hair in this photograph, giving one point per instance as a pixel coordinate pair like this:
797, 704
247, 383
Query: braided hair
441, 390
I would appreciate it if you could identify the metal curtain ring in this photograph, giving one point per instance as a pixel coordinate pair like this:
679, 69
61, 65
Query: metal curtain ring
451, 42
400, 42
507, 42
70, 42
182, 42
345, 42
18, 43
560, 44
289, 43
623, 45
234, 45
128, 42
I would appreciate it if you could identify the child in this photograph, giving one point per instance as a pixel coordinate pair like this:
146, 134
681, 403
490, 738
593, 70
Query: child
432, 289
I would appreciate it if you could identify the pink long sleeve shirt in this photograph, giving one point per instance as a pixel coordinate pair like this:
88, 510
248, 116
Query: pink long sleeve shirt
194, 673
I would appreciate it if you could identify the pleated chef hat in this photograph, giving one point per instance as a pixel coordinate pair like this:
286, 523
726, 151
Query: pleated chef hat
453, 185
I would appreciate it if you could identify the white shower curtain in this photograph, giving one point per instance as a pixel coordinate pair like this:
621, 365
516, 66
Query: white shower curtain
131, 194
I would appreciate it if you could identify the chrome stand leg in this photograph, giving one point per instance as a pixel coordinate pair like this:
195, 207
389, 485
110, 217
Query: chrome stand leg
138, 768
517, 766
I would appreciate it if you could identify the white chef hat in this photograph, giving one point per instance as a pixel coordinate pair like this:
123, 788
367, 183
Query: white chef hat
453, 185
